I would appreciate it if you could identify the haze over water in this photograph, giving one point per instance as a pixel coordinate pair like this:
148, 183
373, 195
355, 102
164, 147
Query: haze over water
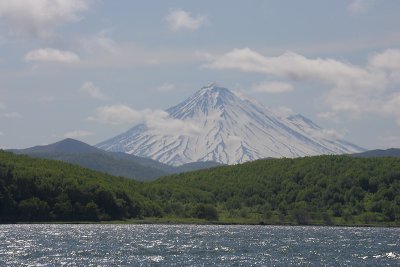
194, 245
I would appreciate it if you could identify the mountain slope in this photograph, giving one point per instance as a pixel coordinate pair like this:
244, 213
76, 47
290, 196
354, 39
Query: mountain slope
114, 163
82, 154
229, 129
67, 145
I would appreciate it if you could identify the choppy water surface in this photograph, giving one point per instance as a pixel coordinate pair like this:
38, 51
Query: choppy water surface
140, 245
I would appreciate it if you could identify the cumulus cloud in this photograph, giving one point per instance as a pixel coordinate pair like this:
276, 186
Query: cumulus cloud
297, 67
392, 107
389, 59
171, 126
326, 133
351, 89
39, 17
51, 55
284, 111
204, 56
78, 134
123, 114
233, 141
181, 20
157, 121
332, 133
92, 90
99, 43
360, 6
166, 87
273, 87
329, 115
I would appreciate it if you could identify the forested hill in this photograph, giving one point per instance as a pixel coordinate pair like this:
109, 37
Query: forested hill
321, 189
33, 189
311, 190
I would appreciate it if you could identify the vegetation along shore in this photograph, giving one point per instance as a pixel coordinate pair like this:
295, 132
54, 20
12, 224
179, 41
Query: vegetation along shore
320, 190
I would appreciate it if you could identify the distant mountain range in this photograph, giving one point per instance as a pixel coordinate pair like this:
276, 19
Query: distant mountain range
228, 128
126, 165
115, 163
224, 128
378, 153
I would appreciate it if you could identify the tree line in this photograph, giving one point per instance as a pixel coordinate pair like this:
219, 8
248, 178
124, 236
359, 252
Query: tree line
310, 190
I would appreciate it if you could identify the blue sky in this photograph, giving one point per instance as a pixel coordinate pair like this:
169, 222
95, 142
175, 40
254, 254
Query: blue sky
92, 69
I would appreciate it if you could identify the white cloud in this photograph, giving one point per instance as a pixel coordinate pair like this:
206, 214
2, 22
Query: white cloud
233, 141
78, 134
99, 43
332, 133
360, 6
11, 115
51, 55
182, 20
297, 67
284, 111
273, 87
166, 87
122, 114
329, 115
171, 126
354, 90
92, 90
39, 17
327, 133
157, 121
392, 107
389, 59
204, 56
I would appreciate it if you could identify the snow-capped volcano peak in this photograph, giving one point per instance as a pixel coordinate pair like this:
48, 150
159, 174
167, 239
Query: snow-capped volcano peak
233, 129
203, 101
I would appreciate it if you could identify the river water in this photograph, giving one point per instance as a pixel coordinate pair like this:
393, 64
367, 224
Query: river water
196, 245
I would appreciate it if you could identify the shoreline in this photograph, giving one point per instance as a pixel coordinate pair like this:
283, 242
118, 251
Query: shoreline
169, 221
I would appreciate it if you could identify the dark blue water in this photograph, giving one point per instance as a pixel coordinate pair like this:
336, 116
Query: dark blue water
192, 245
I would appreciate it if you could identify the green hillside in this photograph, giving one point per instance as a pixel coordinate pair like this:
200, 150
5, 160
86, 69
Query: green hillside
322, 189
312, 190
34, 189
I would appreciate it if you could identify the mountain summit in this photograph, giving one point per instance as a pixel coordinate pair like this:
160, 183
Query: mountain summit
227, 128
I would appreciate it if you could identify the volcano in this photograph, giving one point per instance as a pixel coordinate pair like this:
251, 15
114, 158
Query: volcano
229, 128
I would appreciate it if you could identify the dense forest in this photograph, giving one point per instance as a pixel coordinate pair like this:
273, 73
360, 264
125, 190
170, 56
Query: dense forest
34, 189
312, 190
